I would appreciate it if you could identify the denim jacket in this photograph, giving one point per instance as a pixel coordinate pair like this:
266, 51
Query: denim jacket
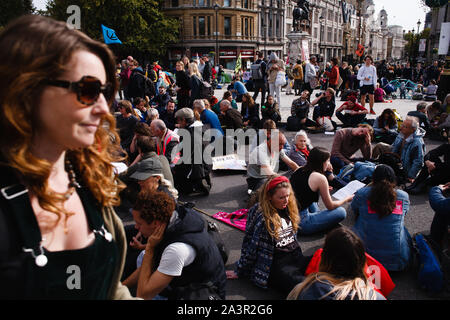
412, 153
257, 249
385, 239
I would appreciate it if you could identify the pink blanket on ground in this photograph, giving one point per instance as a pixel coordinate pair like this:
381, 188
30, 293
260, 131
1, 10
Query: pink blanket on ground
237, 219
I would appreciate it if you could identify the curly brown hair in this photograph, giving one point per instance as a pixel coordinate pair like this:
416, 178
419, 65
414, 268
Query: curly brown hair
155, 206
40, 48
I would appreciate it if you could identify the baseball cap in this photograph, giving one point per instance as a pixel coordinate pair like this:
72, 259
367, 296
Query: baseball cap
147, 168
185, 113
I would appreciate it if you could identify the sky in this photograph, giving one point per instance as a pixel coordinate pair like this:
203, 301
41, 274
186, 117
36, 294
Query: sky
405, 13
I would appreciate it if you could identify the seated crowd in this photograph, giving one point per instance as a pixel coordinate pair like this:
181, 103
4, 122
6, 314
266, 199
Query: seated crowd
176, 257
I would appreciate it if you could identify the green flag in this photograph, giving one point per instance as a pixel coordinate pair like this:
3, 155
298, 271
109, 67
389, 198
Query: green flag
238, 64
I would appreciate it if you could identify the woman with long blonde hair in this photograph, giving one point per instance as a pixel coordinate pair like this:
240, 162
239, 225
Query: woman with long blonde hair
341, 273
195, 81
58, 185
271, 255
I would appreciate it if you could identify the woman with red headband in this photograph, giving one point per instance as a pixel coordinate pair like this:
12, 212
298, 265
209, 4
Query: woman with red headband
270, 254
308, 183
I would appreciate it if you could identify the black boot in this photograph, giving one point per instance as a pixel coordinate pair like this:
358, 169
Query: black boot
419, 188
423, 175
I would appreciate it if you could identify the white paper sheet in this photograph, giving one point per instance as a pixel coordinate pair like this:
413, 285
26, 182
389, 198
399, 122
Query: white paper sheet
348, 190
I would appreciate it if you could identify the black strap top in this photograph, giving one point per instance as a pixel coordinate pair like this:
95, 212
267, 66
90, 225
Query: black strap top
305, 196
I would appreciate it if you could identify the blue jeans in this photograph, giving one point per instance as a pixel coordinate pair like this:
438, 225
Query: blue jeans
313, 220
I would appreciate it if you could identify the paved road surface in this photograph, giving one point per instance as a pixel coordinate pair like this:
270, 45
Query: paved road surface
229, 193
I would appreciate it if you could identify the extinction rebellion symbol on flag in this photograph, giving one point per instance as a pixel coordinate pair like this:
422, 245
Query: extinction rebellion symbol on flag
109, 35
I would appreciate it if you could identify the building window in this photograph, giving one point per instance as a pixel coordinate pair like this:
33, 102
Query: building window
227, 3
201, 26
209, 25
315, 33
174, 3
246, 27
244, 3
227, 26
195, 25
201, 3
329, 35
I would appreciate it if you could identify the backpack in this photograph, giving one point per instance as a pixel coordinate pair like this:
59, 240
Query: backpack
293, 123
346, 173
213, 231
363, 171
206, 90
429, 273
256, 71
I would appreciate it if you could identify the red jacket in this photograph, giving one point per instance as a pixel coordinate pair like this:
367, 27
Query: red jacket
333, 76
385, 282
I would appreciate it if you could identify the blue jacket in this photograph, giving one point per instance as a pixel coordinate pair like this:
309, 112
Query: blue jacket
412, 153
257, 249
438, 201
209, 117
385, 239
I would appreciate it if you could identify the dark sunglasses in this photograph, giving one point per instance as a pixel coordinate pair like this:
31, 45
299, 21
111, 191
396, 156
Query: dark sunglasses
88, 89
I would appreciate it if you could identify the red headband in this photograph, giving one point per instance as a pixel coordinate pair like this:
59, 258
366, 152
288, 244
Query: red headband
276, 181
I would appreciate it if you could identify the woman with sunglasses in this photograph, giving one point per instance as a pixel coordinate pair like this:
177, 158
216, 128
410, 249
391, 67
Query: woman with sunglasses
59, 236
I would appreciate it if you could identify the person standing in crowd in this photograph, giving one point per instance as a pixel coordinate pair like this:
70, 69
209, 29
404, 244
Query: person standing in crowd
385, 127
270, 110
271, 255
260, 78
342, 272
344, 73
183, 85
351, 113
136, 86
308, 183
275, 65
349, 140
297, 72
418, 74
432, 73
56, 154
333, 75
207, 69
381, 209
311, 74
179, 255
126, 122
125, 74
367, 76
195, 79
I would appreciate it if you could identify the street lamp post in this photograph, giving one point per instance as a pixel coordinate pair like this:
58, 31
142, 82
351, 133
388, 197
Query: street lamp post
216, 9
418, 38
321, 21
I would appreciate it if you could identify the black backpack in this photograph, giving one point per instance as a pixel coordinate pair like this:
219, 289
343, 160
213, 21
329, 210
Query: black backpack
256, 70
206, 90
